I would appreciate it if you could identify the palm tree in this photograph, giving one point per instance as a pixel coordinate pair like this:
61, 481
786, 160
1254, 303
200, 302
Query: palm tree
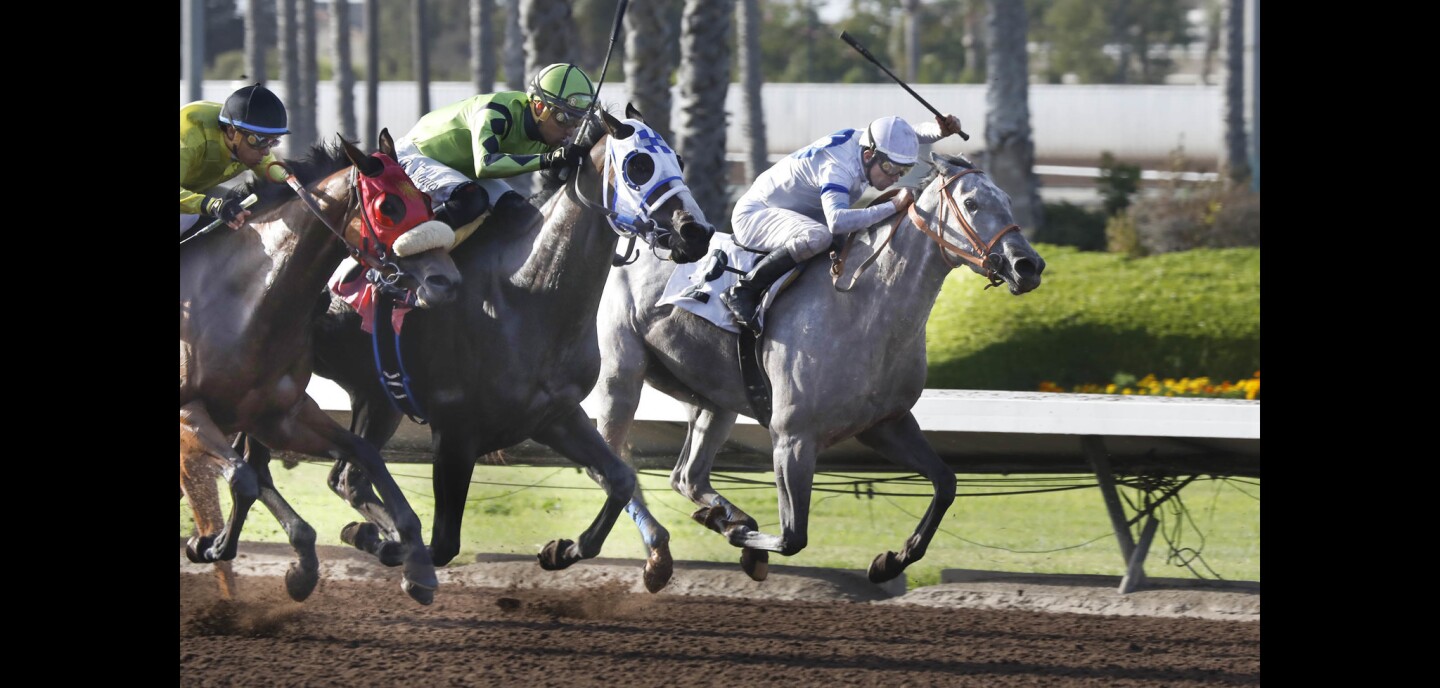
549, 28
649, 59
912, 38
514, 47
254, 41
344, 68
1010, 149
419, 46
747, 24
372, 71
285, 28
482, 45
704, 81
1236, 164
309, 76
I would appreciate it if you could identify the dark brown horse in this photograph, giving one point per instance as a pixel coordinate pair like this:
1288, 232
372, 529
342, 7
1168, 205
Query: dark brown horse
515, 356
247, 301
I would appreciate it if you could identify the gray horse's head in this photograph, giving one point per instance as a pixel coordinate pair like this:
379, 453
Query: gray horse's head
1001, 252
650, 190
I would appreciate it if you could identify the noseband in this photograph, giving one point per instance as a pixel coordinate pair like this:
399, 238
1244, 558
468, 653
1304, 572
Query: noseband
983, 260
383, 272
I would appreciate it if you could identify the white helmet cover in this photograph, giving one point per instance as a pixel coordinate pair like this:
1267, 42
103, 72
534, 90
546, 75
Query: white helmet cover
894, 137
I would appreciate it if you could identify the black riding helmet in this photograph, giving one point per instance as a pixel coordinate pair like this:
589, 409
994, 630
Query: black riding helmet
255, 108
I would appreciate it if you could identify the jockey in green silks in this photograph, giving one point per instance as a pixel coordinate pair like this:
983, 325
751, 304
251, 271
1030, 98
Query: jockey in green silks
218, 142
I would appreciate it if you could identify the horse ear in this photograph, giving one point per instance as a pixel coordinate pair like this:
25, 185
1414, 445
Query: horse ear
387, 144
942, 162
617, 129
631, 112
369, 166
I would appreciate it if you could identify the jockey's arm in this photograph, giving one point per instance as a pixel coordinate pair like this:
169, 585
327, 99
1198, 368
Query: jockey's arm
931, 131
835, 200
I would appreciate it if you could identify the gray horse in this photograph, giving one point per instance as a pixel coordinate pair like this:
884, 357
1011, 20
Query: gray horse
516, 354
842, 363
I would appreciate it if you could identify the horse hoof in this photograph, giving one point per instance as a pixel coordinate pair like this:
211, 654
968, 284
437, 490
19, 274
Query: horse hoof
299, 582
196, 546
658, 569
711, 517
555, 555
420, 593
391, 553
756, 563
361, 536
885, 567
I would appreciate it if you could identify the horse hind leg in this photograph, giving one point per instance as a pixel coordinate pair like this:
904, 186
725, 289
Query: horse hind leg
691, 478
304, 573
203, 448
901, 441
376, 422
574, 436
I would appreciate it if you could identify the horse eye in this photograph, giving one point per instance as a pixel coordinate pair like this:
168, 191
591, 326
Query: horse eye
392, 208
639, 169
971, 205
681, 159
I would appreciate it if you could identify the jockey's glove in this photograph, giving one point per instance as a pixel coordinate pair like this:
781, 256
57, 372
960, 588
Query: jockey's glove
222, 204
567, 155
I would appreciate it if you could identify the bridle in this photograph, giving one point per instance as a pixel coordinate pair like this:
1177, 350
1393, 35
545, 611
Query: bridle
381, 269
629, 209
984, 260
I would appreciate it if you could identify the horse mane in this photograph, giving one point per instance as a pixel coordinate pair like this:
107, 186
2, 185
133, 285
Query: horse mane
323, 159
956, 160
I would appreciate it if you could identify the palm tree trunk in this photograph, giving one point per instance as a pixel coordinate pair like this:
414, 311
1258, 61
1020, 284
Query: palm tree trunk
514, 47
747, 24
286, 30
309, 75
1010, 148
370, 134
482, 45
254, 42
704, 82
650, 51
344, 67
420, 47
912, 38
1235, 164
549, 33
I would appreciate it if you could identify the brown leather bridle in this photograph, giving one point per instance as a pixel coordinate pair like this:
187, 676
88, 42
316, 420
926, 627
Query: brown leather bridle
978, 258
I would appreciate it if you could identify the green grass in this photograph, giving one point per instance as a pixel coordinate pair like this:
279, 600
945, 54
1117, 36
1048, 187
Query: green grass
518, 509
1185, 314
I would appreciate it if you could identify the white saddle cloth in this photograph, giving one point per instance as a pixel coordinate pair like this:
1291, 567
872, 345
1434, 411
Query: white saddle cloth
688, 288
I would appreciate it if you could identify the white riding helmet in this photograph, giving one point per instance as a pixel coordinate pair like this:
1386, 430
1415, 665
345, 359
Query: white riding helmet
894, 137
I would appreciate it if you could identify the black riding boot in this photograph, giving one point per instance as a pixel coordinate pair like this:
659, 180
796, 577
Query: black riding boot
743, 299
466, 203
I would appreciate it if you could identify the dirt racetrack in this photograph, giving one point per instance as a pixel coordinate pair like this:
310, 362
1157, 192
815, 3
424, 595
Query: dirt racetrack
507, 622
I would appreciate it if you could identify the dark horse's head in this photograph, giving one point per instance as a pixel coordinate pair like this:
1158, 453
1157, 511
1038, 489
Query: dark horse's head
975, 217
383, 218
644, 192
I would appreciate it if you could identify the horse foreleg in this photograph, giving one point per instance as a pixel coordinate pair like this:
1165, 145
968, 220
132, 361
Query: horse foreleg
198, 478
202, 443
620, 388
575, 438
308, 430
304, 573
454, 467
901, 441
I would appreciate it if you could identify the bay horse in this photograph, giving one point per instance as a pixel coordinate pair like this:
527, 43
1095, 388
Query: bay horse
517, 353
842, 364
247, 302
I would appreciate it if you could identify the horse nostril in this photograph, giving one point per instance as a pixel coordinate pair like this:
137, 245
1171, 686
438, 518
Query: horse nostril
439, 282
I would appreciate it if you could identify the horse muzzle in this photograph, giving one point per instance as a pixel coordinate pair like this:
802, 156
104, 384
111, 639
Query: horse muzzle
691, 239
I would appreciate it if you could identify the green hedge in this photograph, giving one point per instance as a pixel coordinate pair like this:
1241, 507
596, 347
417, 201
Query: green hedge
1184, 314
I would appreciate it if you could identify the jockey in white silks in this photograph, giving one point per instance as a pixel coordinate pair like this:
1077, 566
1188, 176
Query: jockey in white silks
796, 208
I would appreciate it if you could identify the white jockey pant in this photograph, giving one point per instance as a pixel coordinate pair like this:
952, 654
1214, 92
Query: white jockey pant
434, 178
763, 228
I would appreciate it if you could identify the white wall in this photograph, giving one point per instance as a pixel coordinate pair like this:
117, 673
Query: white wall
1072, 123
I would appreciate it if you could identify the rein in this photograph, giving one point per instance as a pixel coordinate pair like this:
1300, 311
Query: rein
626, 226
977, 258
380, 272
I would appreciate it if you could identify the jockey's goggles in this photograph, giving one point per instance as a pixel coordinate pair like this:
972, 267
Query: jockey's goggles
893, 169
259, 141
570, 111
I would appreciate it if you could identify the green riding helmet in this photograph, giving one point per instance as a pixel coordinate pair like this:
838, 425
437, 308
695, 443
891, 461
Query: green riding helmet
564, 87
